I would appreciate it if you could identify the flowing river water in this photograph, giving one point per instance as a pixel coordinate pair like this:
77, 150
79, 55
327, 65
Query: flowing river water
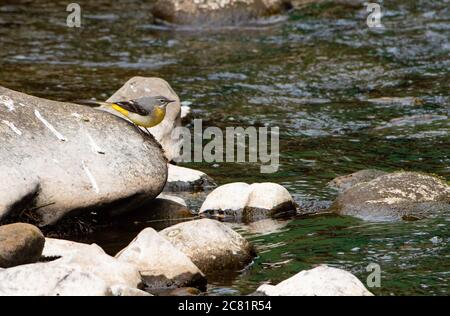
314, 75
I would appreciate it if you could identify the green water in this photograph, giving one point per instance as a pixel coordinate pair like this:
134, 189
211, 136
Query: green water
311, 75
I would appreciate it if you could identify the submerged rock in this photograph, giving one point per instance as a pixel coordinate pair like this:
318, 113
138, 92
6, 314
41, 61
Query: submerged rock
161, 264
138, 87
92, 259
74, 159
266, 226
165, 209
413, 120
320, 281
249, 202
212, 246
47, 279
184, 179
20, 244
185, 291
393, 196
397, 101
217, 12
343, 183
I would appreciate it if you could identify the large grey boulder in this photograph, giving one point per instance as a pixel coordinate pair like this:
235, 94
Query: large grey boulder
20, 244
320, 281
399, 195
343, 183
71, 158
216, 12
249, 202
211, 245
164, 133
93, 260
161, 264
20, 193
47, 279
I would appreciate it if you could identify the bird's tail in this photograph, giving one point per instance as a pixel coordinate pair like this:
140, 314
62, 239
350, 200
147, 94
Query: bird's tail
93, 103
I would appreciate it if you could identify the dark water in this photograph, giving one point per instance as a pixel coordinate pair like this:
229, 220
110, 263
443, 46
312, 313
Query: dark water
312, 75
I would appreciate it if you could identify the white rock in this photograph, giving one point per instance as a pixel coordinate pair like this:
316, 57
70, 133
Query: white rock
268, 196
232, 197
185, 179
63, 248
211, 245
185, 111
160, 263
50, 279
92, 259
119, 290
246, 201
320, 281
172, 198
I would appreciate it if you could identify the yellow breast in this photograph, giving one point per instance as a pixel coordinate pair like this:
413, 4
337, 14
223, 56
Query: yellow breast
156, 117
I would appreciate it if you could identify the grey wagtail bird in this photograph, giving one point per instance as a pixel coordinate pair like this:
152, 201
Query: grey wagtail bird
145, 112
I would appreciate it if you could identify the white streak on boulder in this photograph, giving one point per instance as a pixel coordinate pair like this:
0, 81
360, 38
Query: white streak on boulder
49, 126
8, 102
12, 127
91, 177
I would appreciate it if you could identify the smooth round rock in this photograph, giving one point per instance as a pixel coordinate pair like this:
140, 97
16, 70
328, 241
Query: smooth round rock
160, 264
181, 179
394, 196
216, 12
138, 87
211, 245
320, 281
20, 244
343, 183
249, 202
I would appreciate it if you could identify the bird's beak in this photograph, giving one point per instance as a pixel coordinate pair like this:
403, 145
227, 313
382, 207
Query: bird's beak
171, 101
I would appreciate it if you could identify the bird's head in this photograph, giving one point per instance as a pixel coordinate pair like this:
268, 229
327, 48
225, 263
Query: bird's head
162, 101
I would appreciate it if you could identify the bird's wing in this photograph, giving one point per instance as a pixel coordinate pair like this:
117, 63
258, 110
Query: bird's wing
132, 106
